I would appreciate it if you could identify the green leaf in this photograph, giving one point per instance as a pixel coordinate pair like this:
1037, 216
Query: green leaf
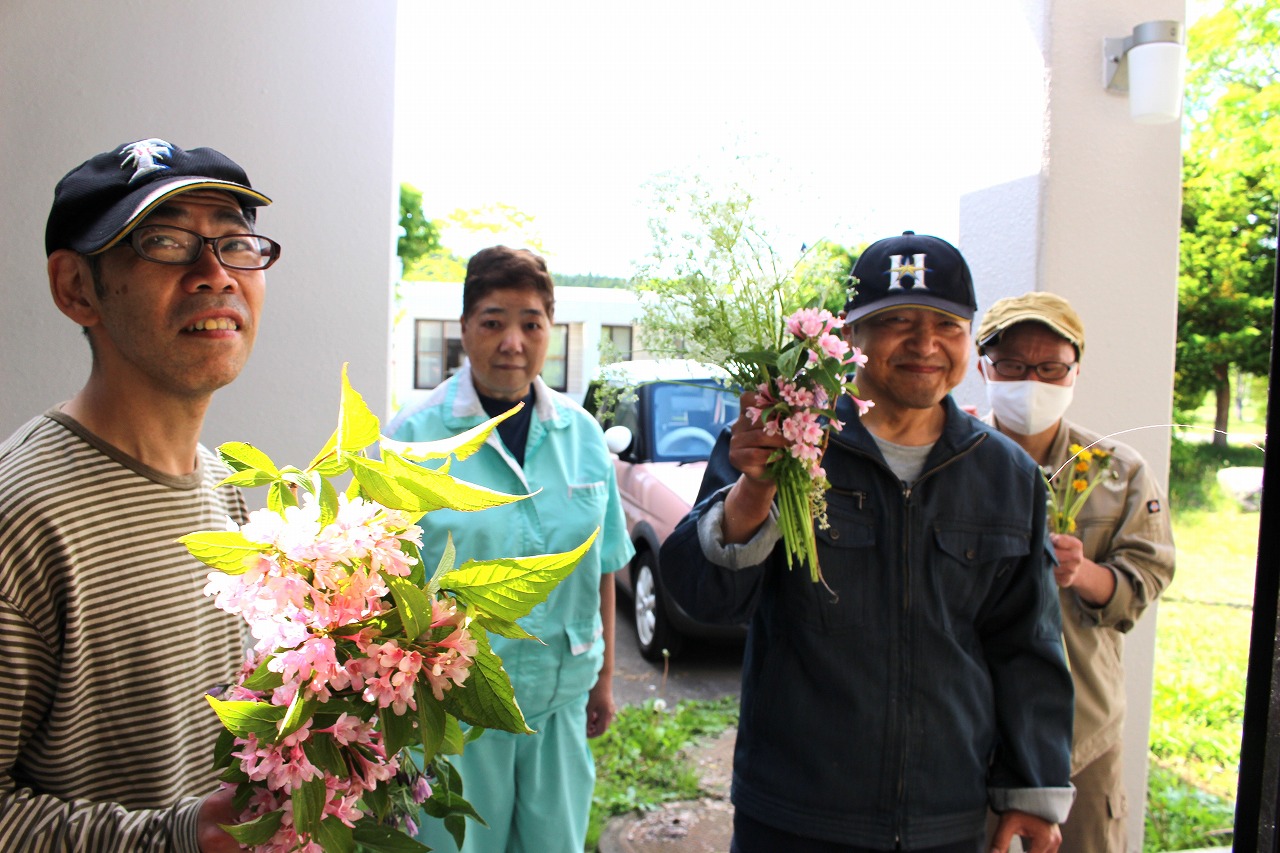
357, 429
413, 605
446, 564
247, 479
502, 627
334, 836
239, 456
789, 361
222, 749
308, 804
417, 575
248, 718
397, 729
322, 751
378, 802
300, 710
454, 737
378, 838
225, 550
459, 446
486, 698
280, 496
431, 718
263, 679
397, 484
510, 588
257, 831
328, 502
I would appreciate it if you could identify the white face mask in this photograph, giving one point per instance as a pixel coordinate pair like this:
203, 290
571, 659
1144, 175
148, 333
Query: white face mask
1028, 407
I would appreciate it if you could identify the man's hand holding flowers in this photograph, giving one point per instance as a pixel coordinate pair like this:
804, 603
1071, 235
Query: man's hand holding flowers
751, 447
1092, 582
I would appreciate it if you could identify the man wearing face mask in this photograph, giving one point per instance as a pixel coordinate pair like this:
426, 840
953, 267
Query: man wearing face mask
1117, 561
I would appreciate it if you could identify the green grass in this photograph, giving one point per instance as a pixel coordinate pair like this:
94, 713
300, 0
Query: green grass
1202, 649
641, 761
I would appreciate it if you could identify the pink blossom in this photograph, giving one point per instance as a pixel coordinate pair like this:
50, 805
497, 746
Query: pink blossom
834, 346
810, 322
796, 395
805, 452
864, 406
348, 730
856, 357
290, 774
345, 808
421, 790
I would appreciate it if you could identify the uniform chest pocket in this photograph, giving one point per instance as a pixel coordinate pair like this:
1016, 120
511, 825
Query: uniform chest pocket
966, 563
847, 552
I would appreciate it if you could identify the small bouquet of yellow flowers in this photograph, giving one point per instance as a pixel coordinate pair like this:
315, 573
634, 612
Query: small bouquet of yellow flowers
1086, 468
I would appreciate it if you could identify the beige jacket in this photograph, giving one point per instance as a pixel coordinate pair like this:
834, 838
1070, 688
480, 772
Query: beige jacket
1125, 527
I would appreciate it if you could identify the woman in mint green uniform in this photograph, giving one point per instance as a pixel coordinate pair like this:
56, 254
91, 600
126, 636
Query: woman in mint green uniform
533, 791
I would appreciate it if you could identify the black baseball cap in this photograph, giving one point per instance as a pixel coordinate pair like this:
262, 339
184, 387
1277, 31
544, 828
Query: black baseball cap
98, 202
913, 270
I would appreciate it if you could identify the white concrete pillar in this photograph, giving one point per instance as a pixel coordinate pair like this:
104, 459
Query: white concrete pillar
1101, 224
301, 93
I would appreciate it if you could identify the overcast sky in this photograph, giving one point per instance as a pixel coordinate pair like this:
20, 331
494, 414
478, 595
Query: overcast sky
849, 120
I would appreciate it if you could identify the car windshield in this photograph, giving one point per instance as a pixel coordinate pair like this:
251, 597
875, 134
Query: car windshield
687, 417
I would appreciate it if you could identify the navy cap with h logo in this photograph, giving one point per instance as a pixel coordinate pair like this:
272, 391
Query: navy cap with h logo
914, 270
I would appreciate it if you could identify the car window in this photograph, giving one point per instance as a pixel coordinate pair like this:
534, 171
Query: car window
687, 417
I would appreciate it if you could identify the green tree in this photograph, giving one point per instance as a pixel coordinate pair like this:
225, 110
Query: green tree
419, 236
1229, 203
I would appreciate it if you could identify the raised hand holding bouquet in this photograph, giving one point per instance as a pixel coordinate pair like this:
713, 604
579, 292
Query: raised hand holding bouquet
718, 292
361, 651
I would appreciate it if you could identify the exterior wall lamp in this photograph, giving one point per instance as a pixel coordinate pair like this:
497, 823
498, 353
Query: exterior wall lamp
1148, 65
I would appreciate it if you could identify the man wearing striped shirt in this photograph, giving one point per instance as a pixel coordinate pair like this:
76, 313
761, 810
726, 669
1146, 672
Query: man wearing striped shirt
105, 738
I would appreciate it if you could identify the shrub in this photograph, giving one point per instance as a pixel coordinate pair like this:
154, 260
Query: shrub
1193, 471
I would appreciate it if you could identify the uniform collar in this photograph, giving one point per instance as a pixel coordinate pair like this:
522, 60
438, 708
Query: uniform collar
465, 408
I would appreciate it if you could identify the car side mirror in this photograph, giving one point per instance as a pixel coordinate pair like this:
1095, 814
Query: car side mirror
618, 439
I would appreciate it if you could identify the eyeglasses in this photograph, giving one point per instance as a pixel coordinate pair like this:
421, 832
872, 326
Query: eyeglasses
168, 244
1049, 371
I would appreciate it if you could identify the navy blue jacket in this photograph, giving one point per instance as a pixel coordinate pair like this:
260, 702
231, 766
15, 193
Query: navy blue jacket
932, 683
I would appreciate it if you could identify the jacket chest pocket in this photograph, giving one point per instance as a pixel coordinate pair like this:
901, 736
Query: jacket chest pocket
854, 583
966, 562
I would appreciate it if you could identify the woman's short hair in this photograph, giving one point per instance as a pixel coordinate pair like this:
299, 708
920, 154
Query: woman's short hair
503, 268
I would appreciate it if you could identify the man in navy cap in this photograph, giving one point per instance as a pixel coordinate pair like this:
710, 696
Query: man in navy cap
105, 739
925, 682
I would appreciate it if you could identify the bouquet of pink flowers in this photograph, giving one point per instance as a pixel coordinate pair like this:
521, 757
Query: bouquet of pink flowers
362, 658
797, 400
717, 291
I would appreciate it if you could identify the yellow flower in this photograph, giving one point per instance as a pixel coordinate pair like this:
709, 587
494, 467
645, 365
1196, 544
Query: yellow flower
1086, 456
1082, 466
1079, 485
1075, 449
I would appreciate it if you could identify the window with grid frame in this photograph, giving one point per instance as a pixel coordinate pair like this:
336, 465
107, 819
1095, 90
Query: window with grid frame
617, 341
555, 370
437, 352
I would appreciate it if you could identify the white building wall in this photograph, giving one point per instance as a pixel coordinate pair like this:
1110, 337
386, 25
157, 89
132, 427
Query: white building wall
584, 309
1099, 225
301, 93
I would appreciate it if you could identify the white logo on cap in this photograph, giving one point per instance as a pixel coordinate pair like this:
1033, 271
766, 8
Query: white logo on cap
914, 271
142, 156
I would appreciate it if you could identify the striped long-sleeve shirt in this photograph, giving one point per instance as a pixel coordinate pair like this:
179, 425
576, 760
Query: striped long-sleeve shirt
106, 740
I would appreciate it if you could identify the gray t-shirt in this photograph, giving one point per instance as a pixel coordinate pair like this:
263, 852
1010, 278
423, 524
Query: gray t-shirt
907, 461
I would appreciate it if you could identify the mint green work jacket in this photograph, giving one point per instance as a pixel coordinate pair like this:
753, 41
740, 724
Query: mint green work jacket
566, 459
